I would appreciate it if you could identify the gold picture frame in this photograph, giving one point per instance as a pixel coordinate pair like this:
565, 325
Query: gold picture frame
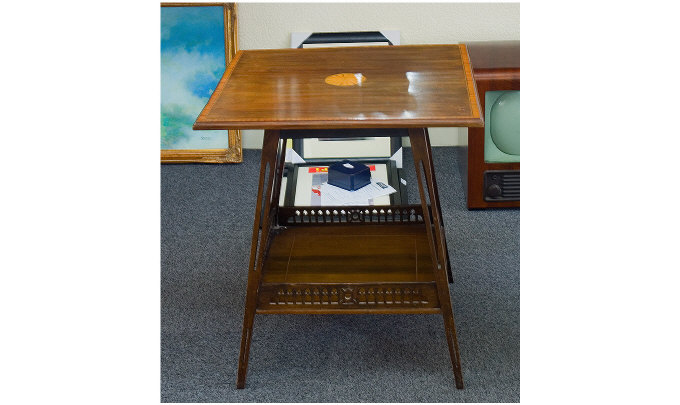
233, 153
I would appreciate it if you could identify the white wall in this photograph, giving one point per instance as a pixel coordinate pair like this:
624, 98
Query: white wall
269, 25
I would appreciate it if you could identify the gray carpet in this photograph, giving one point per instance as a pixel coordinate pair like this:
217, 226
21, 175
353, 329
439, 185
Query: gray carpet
206, 220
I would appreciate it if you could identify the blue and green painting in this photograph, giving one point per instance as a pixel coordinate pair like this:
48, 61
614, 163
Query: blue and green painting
192, 63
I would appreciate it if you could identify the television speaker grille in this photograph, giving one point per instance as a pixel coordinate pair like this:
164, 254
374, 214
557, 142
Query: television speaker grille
501, 185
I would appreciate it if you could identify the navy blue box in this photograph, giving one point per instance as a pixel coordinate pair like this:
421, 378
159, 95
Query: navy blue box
350, 178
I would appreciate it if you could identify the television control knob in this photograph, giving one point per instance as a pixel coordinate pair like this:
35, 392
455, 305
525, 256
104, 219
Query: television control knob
494, 190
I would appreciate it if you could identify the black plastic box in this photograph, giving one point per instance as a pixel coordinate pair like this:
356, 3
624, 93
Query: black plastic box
350, 178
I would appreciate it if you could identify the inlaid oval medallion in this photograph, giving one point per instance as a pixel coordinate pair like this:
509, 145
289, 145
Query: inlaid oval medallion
346, 79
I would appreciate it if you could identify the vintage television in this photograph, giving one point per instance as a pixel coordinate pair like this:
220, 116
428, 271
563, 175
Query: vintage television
490, 163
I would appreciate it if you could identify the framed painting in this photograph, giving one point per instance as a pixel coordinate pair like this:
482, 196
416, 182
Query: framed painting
198, 40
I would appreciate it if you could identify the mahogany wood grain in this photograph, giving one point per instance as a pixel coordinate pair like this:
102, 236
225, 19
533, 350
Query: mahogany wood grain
349, 311
403, 87
326, 267
495, 66
272, 160
422, 159
494, 57
349, 254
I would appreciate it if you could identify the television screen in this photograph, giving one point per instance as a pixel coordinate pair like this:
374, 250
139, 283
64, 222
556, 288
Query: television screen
501, 128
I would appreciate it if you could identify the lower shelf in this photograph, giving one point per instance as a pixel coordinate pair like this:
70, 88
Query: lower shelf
349, 269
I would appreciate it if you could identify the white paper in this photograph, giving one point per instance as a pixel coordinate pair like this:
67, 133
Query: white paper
297, 38
397, 157
332, 195
392, 36
293, 157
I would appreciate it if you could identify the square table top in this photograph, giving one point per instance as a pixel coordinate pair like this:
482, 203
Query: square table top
406, 86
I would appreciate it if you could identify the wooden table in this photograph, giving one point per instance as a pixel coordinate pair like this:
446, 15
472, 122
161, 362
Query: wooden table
350, 260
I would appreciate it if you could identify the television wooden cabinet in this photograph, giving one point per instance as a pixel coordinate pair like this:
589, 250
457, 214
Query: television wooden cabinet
346, 260
495, 66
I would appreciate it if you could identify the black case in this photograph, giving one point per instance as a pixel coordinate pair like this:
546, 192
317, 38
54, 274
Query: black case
351, 179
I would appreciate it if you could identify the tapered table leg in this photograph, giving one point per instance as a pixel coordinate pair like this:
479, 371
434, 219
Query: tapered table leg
271, 167
422, 157
439, 207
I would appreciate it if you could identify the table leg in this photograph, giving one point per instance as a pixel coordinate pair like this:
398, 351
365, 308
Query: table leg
422, 158
439, 207
271, 166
